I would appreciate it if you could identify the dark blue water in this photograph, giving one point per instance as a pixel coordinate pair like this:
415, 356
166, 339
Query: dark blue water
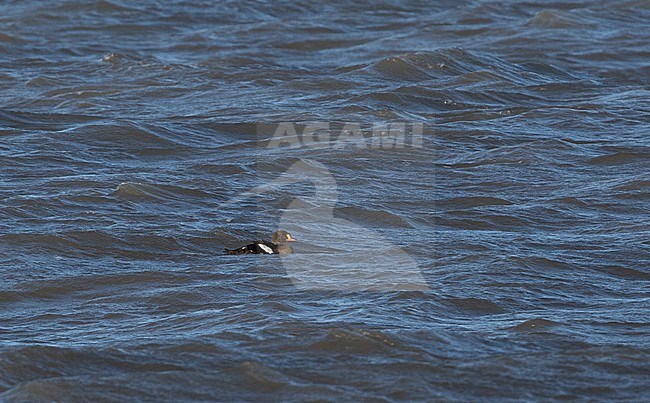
479, 231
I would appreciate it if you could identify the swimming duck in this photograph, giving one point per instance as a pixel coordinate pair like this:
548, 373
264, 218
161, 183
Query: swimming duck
279, 245
363, 260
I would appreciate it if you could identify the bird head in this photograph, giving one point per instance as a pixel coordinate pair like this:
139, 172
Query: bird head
282, 237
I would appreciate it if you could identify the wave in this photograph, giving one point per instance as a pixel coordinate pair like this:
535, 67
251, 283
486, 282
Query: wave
43, 372
476, 306
446, 63
617, 158
158, 192
42, 121
559, 19
100, 243
98, 284
356, 341
468, 68
633, 185
459, 85
373, 217
552, 152
627, 272
322, 44
473, 201
222, 169
572, 201
138, 139
535, 325
12, 39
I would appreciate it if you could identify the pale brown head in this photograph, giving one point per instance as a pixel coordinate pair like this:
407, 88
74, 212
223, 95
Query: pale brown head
280, 237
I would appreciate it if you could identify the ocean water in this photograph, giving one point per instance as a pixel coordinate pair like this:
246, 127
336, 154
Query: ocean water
480, 230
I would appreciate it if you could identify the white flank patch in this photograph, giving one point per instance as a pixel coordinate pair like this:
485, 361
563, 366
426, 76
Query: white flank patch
265, 248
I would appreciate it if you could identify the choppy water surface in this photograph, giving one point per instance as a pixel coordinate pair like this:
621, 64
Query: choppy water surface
505, 257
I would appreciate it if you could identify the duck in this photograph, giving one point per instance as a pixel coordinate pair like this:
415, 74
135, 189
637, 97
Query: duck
279, 245
361, 259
